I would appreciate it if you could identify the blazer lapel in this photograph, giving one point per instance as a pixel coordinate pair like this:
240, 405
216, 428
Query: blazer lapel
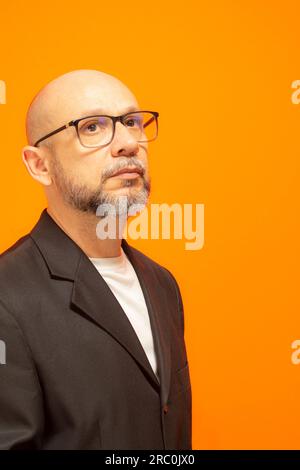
157, 305
92, 297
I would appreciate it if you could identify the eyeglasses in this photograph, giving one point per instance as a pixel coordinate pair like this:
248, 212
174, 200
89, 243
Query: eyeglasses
99, 130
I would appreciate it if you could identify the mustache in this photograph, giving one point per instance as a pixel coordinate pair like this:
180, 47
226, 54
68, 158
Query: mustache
120, 165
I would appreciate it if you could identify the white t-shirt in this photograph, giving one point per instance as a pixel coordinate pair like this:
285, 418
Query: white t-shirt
121, 278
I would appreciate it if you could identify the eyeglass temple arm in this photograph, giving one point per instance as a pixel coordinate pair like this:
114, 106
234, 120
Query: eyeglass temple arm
149, 121
71, 123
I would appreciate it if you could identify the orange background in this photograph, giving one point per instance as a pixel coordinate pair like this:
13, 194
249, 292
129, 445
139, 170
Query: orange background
220, 75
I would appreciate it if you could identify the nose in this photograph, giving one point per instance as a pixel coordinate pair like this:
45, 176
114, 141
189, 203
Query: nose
123, 143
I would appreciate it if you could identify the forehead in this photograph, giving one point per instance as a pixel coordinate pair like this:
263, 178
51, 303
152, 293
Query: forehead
98, 98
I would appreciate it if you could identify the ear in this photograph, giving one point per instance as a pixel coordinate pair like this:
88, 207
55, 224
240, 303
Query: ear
36, 162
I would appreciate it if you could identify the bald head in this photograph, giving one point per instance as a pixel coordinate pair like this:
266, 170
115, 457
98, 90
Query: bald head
73, 95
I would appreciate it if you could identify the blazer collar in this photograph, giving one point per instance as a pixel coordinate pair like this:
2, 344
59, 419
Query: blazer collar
92, 297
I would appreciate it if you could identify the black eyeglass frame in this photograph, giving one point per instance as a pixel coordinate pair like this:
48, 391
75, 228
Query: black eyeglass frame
114, 119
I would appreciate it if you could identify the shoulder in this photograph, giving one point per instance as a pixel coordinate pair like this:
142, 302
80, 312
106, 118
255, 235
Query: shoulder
19, 268
18, 255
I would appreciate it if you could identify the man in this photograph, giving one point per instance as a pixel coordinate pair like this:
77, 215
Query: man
93, 328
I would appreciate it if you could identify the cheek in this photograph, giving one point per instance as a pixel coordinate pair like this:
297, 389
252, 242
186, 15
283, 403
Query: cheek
87, 170
89, 174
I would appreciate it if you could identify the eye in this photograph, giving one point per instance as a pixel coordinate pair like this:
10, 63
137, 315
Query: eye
134, 121
94, 126
91, 127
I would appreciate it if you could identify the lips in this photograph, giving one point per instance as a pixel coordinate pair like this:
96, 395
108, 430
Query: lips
128, 170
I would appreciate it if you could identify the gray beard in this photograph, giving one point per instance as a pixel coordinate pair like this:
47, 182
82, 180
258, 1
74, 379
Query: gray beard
83, 199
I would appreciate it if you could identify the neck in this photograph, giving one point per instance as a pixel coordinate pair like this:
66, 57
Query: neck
81, 228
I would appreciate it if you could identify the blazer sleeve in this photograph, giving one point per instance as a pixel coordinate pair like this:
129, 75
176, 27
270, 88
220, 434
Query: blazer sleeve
21, 407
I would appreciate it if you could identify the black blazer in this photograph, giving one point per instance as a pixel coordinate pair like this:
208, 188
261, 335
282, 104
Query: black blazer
76, 375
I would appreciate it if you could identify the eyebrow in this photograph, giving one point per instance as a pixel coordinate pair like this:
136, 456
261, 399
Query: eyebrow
99, 111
